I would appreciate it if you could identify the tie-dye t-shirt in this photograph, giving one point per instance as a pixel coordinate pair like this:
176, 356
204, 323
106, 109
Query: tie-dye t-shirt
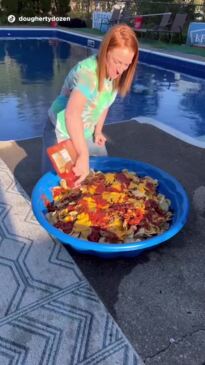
83, 77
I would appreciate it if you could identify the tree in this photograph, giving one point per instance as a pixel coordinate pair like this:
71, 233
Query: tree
62, 7
45, 6
34, 7
9, 6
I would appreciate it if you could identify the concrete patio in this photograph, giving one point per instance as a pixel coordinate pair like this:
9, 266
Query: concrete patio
49, 313
158, 298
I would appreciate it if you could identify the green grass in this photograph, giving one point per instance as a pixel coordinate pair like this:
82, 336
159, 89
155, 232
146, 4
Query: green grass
89, 30
171, 47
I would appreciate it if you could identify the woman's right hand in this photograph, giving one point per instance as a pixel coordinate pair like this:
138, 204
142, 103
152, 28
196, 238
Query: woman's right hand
81, 169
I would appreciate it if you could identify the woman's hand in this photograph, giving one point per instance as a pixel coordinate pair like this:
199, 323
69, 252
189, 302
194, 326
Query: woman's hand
81, 169
100, 139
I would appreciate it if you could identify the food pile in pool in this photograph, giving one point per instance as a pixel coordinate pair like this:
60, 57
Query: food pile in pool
117, 207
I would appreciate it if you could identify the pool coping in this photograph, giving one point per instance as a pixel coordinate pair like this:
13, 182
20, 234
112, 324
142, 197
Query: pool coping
194, 141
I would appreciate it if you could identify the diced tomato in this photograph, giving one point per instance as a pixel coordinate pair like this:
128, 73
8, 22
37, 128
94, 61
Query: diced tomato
122, 178
57, 191
111, 189
100, 188
94, 236
100, 201
45, 200
99, 219
66, 227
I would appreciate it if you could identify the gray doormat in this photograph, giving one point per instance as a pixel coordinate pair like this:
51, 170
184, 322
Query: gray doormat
49, 314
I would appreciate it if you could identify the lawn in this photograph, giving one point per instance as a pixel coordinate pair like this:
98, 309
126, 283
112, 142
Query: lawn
172, 47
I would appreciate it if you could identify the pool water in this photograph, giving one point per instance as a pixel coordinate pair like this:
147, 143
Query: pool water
32, 72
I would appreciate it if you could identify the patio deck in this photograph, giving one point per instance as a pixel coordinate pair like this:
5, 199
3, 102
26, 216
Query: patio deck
49, 313
157, 299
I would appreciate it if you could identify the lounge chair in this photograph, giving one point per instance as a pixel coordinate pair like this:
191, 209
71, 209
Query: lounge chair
164, 24
176, 27
113, 20
127, 16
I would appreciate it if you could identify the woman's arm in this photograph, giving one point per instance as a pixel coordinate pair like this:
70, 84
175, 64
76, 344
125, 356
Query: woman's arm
74, 125
99, 137
100, 123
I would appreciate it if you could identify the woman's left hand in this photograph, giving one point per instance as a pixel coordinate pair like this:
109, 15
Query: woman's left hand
100, 139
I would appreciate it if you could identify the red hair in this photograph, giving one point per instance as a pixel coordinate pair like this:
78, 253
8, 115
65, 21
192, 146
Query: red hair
120, 35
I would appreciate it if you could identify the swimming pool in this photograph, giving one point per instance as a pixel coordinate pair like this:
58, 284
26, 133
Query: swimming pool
32, 72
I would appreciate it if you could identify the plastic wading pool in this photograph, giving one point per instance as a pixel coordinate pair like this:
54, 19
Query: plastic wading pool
168, 186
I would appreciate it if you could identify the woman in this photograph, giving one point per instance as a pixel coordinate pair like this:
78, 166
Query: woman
88, 91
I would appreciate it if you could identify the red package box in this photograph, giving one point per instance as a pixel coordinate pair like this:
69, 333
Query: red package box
63, 157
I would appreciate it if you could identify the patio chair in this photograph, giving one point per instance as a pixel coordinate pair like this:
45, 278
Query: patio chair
127, 16
164, 23
176, 27
113, 20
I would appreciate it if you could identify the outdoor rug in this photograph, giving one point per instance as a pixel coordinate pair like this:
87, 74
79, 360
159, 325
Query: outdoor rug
49, 314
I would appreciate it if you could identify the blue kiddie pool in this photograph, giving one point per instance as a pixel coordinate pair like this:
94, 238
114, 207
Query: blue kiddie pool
168, 186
